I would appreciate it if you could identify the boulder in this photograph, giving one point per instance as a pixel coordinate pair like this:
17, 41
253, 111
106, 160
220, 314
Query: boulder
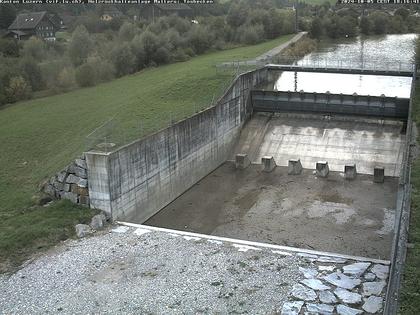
97, 222
81, 163
83, 230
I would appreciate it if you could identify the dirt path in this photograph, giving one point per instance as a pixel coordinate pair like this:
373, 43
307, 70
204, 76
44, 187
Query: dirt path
265, 57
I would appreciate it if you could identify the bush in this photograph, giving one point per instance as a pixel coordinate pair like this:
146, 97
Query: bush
138, 51
85, 75
147, 44
80, 46
251, 34
9, 47
34, 48
127, 31
104, 69
32, 73
199, 39
18, 89
123, 59
316, 28
66, 79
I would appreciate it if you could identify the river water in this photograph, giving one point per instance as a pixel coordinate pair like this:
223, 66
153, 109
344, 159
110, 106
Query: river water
393, 52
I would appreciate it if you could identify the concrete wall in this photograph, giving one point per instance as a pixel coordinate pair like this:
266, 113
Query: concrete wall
136, 181
279, 101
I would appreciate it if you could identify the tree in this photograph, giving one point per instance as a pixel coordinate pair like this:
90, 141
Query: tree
149, 43
347, 26
9, 47
379, 22
104, 69
34, 48
251, 34
66, 79
85, 75
123, 59
273, 24
32, 73
316, 28
404, 13
80, 46
365, 25
139, 52
18, 89
127, 31
7, 15
200, 39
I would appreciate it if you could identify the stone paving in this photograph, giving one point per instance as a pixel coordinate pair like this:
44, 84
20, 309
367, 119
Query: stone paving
145, 270
338, 286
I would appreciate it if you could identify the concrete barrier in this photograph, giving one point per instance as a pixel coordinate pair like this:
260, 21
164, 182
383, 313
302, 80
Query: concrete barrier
350, 171
295, 167
379, 174
268, 164
242, 161
322, 169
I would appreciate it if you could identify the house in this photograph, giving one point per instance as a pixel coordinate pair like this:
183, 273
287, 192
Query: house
152, 11
110, 13
32, 24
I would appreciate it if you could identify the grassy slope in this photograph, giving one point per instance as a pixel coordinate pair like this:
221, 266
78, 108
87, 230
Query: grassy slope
410, 297
39, 137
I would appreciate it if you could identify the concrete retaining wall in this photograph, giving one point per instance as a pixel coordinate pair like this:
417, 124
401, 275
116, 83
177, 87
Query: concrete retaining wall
136, 181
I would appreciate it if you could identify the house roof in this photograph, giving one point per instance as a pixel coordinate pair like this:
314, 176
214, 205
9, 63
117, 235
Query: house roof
173, 6
26, 21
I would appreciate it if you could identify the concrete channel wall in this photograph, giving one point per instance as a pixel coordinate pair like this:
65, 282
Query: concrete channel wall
137, 180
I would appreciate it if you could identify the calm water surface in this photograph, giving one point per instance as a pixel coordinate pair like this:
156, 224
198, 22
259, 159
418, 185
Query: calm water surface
373, 52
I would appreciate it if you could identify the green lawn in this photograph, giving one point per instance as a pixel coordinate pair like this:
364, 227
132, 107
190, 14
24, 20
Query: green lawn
410, 297
41, 136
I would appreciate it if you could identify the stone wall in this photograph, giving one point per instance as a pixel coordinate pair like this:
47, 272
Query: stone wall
71, 183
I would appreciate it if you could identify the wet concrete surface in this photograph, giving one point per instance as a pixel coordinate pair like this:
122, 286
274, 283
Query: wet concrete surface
312, 138
332, 214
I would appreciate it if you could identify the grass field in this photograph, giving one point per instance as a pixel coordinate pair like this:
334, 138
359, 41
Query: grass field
410, 297
39, 137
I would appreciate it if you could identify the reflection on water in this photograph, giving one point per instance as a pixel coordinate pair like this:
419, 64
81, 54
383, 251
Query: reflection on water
343, 83
378, 52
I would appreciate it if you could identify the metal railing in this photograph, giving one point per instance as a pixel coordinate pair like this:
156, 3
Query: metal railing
399, 244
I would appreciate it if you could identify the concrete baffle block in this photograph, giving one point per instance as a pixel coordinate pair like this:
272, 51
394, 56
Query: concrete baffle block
242, 161
295, 167
268, 163
350, 171
322, 169
379, 174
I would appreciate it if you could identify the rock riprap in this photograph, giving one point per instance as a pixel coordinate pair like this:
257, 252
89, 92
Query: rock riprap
71, 183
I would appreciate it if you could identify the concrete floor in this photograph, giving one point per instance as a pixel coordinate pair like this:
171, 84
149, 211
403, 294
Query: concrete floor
333, 214
313, 138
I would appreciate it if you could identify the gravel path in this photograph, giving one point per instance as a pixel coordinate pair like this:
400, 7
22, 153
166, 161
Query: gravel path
137, 271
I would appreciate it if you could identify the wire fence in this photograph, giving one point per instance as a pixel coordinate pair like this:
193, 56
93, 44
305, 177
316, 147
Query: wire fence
238, 67
120, 130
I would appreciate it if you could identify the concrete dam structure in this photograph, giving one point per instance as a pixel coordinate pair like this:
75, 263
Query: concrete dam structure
314, 171
184, 177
